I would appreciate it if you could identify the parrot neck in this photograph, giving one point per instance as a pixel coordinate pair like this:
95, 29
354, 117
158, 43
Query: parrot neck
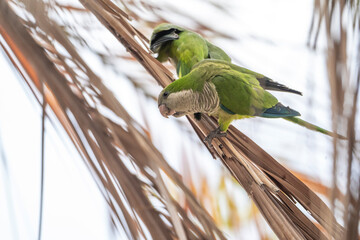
190, 101
206, 101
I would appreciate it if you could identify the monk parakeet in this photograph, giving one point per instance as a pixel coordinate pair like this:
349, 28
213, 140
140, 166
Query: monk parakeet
186, 48
218, 90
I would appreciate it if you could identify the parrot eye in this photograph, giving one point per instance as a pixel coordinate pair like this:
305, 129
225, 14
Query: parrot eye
165, 94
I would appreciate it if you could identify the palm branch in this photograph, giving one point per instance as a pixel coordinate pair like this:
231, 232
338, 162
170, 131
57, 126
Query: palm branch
77, 105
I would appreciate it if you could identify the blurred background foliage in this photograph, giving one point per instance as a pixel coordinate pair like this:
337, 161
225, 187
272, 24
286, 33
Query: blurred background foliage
312, 46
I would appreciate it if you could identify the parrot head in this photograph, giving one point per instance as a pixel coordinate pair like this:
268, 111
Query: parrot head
162, 35
192, 93
176, 103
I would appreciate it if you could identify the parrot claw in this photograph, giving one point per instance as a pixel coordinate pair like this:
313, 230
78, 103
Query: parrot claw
197, 116
217, 133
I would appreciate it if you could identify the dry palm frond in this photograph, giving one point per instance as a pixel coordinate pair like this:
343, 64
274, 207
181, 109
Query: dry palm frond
122, 159
315, 185
221, 202
342, 25
273, 188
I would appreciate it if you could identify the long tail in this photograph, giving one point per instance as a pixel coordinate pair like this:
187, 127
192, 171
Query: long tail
313, 127
271, 85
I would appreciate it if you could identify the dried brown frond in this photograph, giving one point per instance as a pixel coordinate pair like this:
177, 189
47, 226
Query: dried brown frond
121, 157
273, 188
315, 185
342, 27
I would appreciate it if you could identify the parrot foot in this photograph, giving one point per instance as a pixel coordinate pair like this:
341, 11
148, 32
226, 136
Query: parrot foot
217, 133
197, 116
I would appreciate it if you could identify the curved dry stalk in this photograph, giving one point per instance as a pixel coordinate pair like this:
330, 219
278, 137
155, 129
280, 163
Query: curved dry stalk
121, 157
278, 207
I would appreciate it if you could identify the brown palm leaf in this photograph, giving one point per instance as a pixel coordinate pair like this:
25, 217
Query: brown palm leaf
75, 102
341, 21
120, 156
273, 188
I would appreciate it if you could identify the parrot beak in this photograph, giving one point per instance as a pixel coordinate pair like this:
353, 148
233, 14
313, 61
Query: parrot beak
161, 38
165, 111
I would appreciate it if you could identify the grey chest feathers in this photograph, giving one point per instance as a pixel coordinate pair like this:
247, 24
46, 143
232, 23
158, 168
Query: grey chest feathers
189, 101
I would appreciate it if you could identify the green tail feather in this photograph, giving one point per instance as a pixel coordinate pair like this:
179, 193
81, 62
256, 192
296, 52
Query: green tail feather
313, 127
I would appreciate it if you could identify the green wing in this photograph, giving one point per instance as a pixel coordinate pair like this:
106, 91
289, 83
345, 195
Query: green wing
217, 53
241, 94
265, 82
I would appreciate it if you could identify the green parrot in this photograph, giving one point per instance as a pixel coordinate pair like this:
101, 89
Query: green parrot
186, 48
218, 90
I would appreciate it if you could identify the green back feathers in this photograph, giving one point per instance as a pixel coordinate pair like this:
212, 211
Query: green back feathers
239, 69
238, 94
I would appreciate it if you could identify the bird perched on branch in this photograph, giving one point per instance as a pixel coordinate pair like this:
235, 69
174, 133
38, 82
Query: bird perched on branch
216, 89
186, 48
